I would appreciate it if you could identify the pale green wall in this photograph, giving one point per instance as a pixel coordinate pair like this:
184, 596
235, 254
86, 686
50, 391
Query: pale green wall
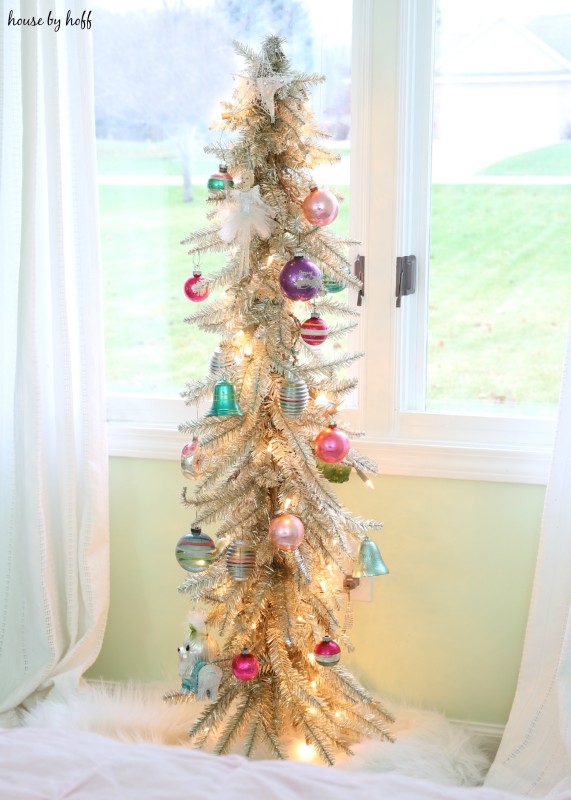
446, 626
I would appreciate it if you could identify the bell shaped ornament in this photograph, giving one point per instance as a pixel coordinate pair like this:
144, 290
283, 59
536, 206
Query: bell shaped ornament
369, 560
224, 403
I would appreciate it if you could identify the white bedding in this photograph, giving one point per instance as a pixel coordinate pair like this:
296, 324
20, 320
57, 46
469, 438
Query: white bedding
37, 764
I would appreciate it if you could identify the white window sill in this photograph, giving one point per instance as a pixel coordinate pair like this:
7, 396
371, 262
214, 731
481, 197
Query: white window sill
434, 459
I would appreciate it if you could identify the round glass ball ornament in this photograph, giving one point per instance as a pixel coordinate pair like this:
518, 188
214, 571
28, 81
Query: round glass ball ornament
294, 396
314, 331
332, 445
192, 461
240, 561
195, 550
190, 290
327, 652
220, 181
245, 665
300, 279
286, 531
333, 286
320, 207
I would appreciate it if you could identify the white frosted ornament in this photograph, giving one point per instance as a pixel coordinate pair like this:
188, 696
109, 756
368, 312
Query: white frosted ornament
242, 216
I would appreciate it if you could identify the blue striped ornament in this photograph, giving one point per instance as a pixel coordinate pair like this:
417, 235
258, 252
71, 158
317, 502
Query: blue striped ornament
220, 363
294, 396
240, 561
195, 551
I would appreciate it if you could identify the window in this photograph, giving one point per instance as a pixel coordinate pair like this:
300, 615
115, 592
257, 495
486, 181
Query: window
153, 110
416, 422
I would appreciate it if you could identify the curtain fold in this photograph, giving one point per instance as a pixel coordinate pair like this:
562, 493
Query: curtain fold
534, 757
53, 461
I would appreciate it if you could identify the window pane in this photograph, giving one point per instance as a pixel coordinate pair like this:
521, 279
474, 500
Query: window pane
500, 274
161, 70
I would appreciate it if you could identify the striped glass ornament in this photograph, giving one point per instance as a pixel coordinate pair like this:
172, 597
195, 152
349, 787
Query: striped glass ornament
314, 330
294, 396
220, 363
195, 550
327, 652
240, 560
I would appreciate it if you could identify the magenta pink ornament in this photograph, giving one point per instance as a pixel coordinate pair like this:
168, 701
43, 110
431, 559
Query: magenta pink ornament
245, 666
300, 279
327, 652
197, 296
286, 531
332, 445
320, 207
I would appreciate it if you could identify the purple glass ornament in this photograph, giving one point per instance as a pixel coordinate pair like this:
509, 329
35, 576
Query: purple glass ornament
300, 279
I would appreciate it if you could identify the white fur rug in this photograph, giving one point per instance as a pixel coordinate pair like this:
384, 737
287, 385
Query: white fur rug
428, 745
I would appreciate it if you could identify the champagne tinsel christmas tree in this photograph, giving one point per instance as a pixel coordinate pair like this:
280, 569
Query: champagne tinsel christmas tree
272, 583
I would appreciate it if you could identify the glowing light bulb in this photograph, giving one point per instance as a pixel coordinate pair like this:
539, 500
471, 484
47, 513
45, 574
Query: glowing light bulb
300, 619
314, 684
321, 399
287, 503
304, 751
365, 478
270, 261
248, 349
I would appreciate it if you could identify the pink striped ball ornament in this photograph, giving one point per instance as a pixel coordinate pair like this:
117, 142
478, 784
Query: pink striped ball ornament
327, 652
314, 331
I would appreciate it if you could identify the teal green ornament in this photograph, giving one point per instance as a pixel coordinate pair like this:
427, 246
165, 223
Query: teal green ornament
220, 181
369, 560
335, 473
224, 403
332, 286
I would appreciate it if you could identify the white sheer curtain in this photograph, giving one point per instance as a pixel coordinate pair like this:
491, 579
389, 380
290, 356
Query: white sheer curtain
534, 758
53, 460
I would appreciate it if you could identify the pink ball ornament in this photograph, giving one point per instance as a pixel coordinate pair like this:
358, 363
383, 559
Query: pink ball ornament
314, 330
332, 445
197, 296
245, 666
327, 652
286, 531
320, 207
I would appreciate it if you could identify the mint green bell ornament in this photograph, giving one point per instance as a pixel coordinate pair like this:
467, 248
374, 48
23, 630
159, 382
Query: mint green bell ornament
369, 560
224, 403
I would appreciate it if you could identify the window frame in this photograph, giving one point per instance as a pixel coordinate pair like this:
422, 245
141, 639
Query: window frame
392, 53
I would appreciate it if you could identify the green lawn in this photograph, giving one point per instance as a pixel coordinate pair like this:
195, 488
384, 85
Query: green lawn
500, 284
500, 293
552, 160
148, 347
